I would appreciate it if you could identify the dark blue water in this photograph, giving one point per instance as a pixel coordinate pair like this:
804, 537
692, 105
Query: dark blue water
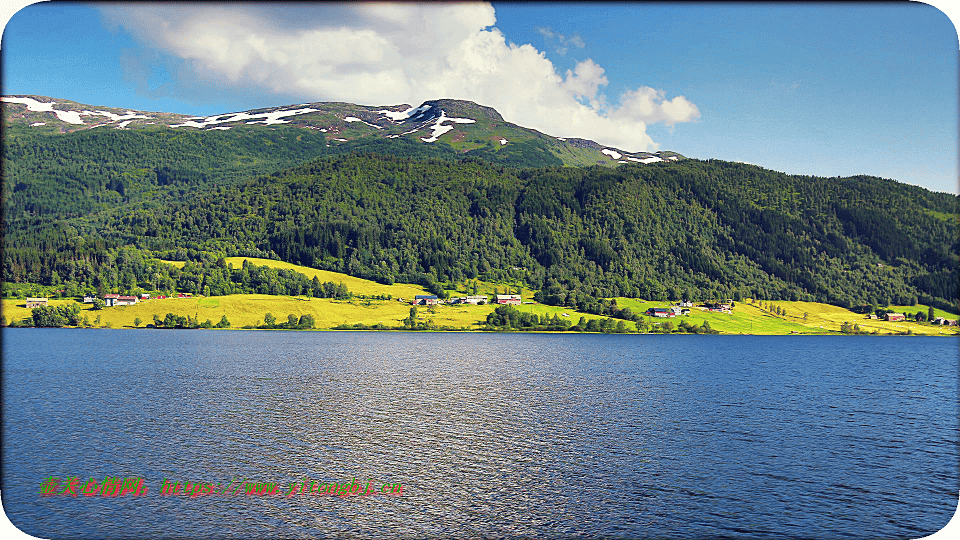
490, 435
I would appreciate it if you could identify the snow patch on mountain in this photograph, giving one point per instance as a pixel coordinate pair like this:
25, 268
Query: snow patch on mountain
612, 153
399, 116
32, 104
268, 118
645, 161
439, 129
355, 119
70, 117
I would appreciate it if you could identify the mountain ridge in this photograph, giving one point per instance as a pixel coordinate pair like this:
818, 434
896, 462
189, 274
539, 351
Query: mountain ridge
466, 126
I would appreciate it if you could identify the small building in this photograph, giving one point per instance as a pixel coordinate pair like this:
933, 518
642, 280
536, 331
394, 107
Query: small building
425, 300
872, 316
660, 312
110, 300
88, 299
126, 301
675, 310
686, 304
144, 296
894, 317
511, 299
36, 302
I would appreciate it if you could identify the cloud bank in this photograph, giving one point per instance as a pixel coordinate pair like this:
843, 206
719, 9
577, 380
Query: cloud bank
385, 54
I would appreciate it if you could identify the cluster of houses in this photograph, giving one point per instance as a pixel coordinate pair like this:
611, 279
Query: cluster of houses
683, 308
111, 300
432, 300
671, 311
895, 317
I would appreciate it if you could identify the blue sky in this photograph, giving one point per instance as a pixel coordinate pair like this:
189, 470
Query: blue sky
819, 89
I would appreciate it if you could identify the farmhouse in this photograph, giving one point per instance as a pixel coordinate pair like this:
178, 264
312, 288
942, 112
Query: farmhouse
426, 300
110, 299
126, 300
512, 299
88, 299
894, 317
36, 302
660, 312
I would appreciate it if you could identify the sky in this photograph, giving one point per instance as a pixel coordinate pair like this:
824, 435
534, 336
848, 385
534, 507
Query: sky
817, 89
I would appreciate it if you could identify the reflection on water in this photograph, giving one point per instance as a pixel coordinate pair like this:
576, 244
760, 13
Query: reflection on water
490, 435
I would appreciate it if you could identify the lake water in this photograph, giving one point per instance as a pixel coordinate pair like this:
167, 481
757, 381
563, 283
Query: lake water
489, 434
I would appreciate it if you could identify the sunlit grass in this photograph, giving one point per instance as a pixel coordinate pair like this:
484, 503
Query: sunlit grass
354, 284
250, 310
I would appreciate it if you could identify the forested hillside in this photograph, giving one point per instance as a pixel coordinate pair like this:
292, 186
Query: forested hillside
92, 208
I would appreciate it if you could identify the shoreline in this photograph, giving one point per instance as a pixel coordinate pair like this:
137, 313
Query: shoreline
463, 331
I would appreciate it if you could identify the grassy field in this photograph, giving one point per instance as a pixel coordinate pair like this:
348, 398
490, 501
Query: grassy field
748, 317
800, 318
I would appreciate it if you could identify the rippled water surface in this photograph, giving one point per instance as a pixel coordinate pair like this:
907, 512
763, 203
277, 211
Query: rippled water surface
490, 435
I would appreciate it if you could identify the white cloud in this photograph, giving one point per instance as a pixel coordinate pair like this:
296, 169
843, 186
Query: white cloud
585, 80
386, 54
649, 105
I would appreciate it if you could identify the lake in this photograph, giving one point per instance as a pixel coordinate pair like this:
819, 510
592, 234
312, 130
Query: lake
500, 435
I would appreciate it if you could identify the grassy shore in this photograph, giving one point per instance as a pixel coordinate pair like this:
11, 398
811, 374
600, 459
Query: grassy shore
747, 317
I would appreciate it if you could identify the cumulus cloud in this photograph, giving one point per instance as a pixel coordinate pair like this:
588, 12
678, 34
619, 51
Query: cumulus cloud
650, 106
585, 80
386, 54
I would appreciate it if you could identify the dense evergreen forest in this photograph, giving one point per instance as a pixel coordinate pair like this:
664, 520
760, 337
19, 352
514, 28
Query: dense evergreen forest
94, 209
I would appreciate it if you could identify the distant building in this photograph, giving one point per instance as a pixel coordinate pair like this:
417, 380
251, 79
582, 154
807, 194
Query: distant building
660, 312
36, 302
126, 301
144, 296
110, 300
426, 300
894, 317
511, 299
88, 299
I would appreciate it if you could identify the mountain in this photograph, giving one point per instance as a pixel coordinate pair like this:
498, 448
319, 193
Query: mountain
467, 128
430, 195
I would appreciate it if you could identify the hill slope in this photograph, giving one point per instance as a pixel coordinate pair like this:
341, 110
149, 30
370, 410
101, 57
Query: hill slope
424, 195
